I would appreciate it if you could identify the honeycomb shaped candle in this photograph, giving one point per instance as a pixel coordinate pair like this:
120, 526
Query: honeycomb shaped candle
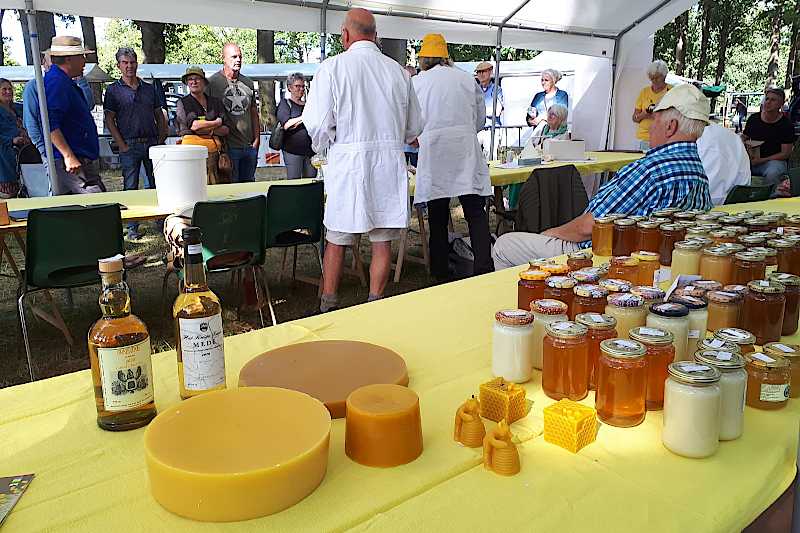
501, 400
500, 454
383, 425
469, 429
237, 454
570, 425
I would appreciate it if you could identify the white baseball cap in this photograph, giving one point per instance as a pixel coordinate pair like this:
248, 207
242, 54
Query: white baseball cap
687, 99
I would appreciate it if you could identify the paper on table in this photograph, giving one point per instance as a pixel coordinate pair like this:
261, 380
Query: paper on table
11, 490
680, 281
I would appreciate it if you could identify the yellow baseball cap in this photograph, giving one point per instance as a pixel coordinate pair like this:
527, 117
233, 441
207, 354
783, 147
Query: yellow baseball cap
433, 45
687, 99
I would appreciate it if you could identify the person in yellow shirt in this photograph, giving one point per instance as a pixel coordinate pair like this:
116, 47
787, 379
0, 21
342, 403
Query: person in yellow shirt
648, 99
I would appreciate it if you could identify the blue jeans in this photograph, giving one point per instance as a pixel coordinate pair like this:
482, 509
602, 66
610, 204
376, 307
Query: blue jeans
244, 164
131, 162
773, 171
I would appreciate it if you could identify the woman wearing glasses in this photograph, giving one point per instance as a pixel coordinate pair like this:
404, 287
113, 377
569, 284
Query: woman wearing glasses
297, 150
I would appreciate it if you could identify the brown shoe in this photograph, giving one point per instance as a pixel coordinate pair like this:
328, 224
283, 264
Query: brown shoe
133, 261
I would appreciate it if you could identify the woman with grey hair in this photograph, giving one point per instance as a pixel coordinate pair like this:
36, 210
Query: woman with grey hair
556, 125
297, 150
544, 100
649, 97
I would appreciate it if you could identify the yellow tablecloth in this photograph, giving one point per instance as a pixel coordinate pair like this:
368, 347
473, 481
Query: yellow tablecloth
90, 480
601, 162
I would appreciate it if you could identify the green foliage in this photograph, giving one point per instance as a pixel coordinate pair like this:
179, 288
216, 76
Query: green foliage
476, 52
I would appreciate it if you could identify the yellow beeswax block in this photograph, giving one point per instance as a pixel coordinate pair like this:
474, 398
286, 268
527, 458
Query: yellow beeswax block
570, 425
502, 400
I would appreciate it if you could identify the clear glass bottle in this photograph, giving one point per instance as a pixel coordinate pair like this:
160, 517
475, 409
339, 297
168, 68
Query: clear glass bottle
120, 356
660, 354
629, 311
198, 325
674, 318
692, 410
512, 345
769, 379
565, 361
791, 312
601, 327
733, 386
763, 309
544, 312
621, 383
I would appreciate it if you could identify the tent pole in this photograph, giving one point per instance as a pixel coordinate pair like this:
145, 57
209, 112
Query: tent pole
323, 29
498, 49
615, 58
45, 117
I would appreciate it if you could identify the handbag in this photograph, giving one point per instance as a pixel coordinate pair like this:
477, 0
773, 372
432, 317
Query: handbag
224, 163
276, 135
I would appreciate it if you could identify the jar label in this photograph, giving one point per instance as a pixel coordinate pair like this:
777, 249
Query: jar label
627, 344
126, 376
762, 357
561, 326
728, 294
514, 313
194, 249
774, 393
716, 343
202, 352
662, 275
734, 333
763, 283
694, 368
596, 317
652, 332
694, 334
724, 356
783, 348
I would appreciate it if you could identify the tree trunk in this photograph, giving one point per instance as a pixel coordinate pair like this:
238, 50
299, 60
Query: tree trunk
722, 49
26, 35
775, 46
396, 49
47, 29
705, 36
793, 62
681, 26
153, 43
90, 42
265, 53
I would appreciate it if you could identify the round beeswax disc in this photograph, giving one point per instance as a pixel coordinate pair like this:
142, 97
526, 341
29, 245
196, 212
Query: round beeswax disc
326, 370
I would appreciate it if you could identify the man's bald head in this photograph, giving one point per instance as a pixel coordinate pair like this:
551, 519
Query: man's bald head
359, 25
232, 58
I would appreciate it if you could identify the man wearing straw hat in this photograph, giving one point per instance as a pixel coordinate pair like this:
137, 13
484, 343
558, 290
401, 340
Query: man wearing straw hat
72, 127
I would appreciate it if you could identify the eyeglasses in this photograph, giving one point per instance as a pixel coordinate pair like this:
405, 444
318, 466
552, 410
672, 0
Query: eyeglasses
298, 86
482, 70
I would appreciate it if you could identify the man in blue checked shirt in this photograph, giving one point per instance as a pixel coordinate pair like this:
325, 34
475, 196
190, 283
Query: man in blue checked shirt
669, 175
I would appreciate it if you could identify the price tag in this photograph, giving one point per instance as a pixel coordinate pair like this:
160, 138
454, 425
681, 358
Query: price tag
693, 300
515, 313
762, 357
662, 275
194, 249
783, 348
627, 344
763, 283
724, 356
694, 333
652, 332
779, 230
561, 326
694, 368
729, 294
596, 317
784, 276
716, 343
734, 333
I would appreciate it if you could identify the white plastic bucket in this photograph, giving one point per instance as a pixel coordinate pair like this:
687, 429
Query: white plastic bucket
180, 173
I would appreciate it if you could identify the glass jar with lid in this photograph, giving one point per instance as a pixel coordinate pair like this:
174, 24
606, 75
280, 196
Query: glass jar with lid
712, 343
601, 327
684, 216
686, 259
722, 235
750, 240
530, 287
670, 234
602, 269
603, 235
636, 218
561, 288
748, 266
788, 256
555, 269
648, 236
660, 354
667, 212
674, 318
732, 384
589, 299
769, 379
614, 286
790, 352
768, 235
707, 284
512, 345
730, 220
692, 410
625, 237
792, 221
629, 311
648, 265
772, 222
751, 213
717, 264
791, 311
708, 242
697, 231
584, 276
580, 259
544, 312
650, 295
738, 230
565, 361
690, 290
621, 383
723, 309
659, 221
741, 290
741, 337
756, 224
624, 267
770, 257
763, 309
698, 321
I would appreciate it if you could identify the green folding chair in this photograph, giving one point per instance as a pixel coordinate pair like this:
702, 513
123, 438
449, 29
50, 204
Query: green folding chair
741, 194
294, 218
233, 240
63, 245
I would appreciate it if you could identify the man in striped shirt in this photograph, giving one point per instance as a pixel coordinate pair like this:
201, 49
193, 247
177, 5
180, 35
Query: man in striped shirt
669, 175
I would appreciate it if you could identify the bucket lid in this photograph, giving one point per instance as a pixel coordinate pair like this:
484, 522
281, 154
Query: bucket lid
177, 152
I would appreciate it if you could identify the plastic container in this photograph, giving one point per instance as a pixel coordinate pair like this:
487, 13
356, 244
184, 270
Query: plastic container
692, 410
660, 354
512, 345
621, 383
733, 388
180, 174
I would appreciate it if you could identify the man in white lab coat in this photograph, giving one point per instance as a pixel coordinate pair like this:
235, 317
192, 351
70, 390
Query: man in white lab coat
725, 161
451, 161
363, 110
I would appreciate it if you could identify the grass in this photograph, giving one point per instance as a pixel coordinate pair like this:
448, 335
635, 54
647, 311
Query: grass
53, 356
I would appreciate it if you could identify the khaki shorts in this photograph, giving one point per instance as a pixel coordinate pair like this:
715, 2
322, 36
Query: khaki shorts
375, 235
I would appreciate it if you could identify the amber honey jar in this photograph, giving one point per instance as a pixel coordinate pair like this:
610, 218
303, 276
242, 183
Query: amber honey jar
717, 264
561, 288
601, 327
769, 380
555, 269
648, 236
790, 352
723, 309
740, 337
757, 224
670, 234
530, 287
589, 299
748, 266
580, 259
788, 255
565, 361
625, 237
648, 265
791, 311
660, 354
762, 312
603, 235
770, 256
621, 383
624, 267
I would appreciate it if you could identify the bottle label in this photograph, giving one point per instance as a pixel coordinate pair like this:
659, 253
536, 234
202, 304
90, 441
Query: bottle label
202, 352
694, 334
774, 393
194, 249
126, 375
662, 275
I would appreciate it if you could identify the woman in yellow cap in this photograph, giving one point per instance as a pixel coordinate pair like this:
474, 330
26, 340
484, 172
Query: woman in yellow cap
451, 162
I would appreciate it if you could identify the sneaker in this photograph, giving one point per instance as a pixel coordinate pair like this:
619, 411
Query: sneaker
134, 235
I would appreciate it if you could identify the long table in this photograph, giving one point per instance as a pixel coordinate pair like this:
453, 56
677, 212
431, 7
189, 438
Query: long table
91, 480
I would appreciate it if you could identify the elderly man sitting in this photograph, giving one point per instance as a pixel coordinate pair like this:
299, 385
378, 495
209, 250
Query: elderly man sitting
669, 175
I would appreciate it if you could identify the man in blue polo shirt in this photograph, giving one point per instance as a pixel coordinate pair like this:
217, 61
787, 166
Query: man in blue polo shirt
72, 128
669, 175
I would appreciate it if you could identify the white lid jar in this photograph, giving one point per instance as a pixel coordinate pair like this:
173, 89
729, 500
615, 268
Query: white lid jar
691, 410
733, 388
545, 311
512, 345
674, 318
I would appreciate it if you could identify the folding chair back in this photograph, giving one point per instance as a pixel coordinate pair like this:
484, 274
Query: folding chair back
294, 214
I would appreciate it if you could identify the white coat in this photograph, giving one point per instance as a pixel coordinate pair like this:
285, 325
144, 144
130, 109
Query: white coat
451, 162
363, 109
724, 160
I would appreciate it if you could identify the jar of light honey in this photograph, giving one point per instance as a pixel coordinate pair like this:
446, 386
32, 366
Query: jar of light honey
625, 237
648, 265
791, 311
650, 295
692, 410
686, 259
565, 361
763, 309
648, 236
717, 264
790, 352
530, 287
769, 379
723, 309
748, 266
660, 354
603, 235
601, 327
624, 267
698, 321
751, 240
561, 288
674, 318
580, 259
512, 345
544, 312
589, 299
629, 311
733, 385
621, 383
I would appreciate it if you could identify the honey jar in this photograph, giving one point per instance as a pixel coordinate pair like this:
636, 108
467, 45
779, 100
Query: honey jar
670, 234
790, 352
626, 268
603, 235
621, 383
748, 266
615, 285
530, 287
589, 299
717, 264
561, 288
686, 259
740, 337
723, 309
544, 312
565, 361
691, 410
629, 311
625, 237
763, 309
660, 354
769, 379
648, 265
601, 327
580, 259
791, 311
732, 384
648, 236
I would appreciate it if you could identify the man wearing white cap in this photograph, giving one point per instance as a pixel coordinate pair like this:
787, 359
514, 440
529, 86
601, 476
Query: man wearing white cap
670, 174
72, 127
483, 75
